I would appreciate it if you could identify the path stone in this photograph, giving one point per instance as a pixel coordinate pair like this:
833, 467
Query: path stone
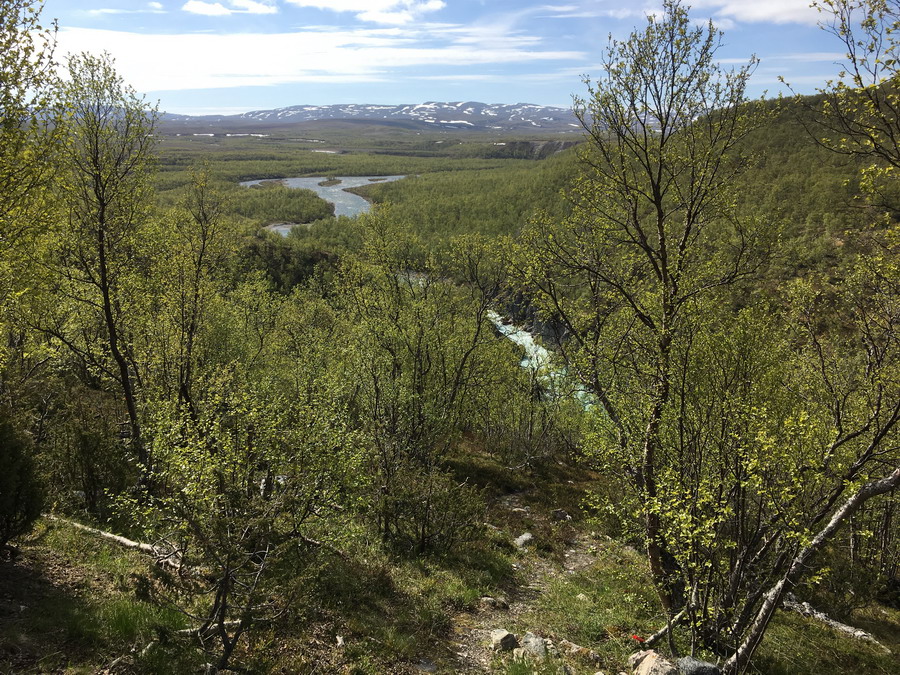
502, 640
650, 662
426, 666
572, 649
534, 645
476, 649
561, 514
688, 665
494, 603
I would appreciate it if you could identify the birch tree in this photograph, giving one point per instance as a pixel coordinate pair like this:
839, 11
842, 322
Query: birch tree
652, 239
96, 254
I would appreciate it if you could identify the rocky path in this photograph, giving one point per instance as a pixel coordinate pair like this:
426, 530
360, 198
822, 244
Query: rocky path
471, 636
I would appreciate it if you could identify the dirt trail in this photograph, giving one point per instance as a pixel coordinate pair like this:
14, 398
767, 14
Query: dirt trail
470, 639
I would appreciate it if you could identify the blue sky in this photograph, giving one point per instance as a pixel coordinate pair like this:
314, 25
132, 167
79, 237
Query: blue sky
206, 56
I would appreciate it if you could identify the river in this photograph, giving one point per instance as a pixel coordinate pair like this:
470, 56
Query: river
536, 357
345, 203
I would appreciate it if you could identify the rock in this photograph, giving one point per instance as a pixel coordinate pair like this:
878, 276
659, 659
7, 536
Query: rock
551, 648
340, 640
650, 662
561, 514
581, 597
688, 665
635, 659
502, 640
524, 539
572, 649
494, 603
534, 645
426, 666
519, 654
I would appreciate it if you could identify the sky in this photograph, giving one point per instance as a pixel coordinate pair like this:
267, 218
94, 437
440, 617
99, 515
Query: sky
230, 56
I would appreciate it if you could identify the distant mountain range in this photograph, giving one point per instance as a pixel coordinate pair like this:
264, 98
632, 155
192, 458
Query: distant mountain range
458, 115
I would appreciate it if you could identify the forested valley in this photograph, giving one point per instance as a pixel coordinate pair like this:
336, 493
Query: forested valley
224, 449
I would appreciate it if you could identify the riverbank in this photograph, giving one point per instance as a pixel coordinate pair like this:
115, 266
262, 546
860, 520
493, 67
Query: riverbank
338, 190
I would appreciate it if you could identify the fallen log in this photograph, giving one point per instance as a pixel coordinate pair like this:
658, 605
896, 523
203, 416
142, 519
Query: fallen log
199, 632
165, 557
791, 604
661, 633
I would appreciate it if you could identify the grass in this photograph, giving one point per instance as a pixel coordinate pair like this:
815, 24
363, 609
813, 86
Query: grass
77, 609
794, 645
391, 611
599, 608
529, 667
602, 607
85, 608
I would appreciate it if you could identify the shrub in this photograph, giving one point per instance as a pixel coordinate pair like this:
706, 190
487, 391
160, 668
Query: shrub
20, 496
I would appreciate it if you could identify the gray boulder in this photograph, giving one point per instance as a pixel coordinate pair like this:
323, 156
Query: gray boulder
560, 514
534, 645
650, 662
502, 640
571, 649
494, 603
688, 665
524, 539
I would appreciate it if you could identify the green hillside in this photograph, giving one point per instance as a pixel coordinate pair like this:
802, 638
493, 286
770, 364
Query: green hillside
544, 406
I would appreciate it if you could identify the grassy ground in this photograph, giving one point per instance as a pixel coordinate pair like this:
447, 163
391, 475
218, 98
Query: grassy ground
73, 604
70, 604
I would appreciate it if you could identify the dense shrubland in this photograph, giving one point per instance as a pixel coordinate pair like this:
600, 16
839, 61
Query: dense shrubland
306, 429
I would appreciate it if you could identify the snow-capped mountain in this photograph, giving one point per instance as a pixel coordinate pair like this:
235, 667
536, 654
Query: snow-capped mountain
456, 115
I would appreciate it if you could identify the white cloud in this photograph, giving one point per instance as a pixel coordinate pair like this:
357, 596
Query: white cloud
237, 7
394, 12
762, 11
252, 7
463, 78
204, 61
347, 5
725, 12
592, 11
721, 22
813, 57
208, 110
206, 8
152, 8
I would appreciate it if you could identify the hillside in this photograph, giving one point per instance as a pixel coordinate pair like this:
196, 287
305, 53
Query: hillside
522, 400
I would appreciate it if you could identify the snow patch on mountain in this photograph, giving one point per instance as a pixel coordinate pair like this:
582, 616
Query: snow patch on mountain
475, 115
